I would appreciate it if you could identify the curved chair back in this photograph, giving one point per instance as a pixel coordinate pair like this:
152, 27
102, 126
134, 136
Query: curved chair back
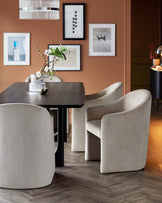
135, 99
110, 89
114, 88
54, 78
26, 146
27, 79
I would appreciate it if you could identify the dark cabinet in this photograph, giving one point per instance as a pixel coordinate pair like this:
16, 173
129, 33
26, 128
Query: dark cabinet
145, 26
156, 85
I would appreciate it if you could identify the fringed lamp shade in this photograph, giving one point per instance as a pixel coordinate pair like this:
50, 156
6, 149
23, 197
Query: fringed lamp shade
39, 9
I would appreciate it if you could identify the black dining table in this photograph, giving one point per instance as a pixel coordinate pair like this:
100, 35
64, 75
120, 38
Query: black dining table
61, 95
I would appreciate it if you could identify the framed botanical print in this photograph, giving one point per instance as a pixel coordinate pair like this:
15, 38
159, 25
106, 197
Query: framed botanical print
73, 58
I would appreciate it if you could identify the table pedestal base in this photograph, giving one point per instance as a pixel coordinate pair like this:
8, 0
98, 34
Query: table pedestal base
61, 128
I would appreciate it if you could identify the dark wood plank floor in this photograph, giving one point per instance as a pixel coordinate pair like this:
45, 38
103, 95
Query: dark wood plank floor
81, 182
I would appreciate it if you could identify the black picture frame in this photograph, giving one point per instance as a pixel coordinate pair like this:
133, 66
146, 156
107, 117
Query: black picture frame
73, 58
73, 21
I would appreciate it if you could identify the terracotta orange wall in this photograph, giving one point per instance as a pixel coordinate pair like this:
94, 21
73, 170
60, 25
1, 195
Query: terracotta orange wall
97, 72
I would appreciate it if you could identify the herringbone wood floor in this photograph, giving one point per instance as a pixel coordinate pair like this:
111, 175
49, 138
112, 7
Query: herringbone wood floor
81, 182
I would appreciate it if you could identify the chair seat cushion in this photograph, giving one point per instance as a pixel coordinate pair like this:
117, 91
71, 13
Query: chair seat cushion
94, 126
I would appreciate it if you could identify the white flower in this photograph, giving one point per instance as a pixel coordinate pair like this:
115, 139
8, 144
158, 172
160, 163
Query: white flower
46, 69
38, 74
47, 52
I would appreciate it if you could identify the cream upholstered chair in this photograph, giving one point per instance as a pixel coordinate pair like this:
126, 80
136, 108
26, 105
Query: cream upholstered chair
54, 78
27, 158
117, 133
53, 111
109, 94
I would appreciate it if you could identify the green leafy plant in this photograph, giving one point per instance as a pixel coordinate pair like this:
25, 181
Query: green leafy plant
48, 66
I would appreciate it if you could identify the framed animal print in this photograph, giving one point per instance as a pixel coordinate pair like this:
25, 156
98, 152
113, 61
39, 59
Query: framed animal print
101, 39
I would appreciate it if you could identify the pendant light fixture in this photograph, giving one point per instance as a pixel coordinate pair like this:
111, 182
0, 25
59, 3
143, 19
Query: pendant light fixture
39, 9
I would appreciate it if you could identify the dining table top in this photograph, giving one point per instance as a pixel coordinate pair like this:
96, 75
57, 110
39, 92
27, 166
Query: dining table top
60, 94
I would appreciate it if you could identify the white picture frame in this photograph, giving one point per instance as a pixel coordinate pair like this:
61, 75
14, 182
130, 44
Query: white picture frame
16, 48
101, 39
73, 58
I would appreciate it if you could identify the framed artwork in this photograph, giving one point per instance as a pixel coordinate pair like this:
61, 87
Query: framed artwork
74, 21
72, 62
101, 39
16, 48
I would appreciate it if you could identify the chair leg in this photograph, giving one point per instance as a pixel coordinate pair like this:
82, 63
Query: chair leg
78, 129
92, 147
55, 114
